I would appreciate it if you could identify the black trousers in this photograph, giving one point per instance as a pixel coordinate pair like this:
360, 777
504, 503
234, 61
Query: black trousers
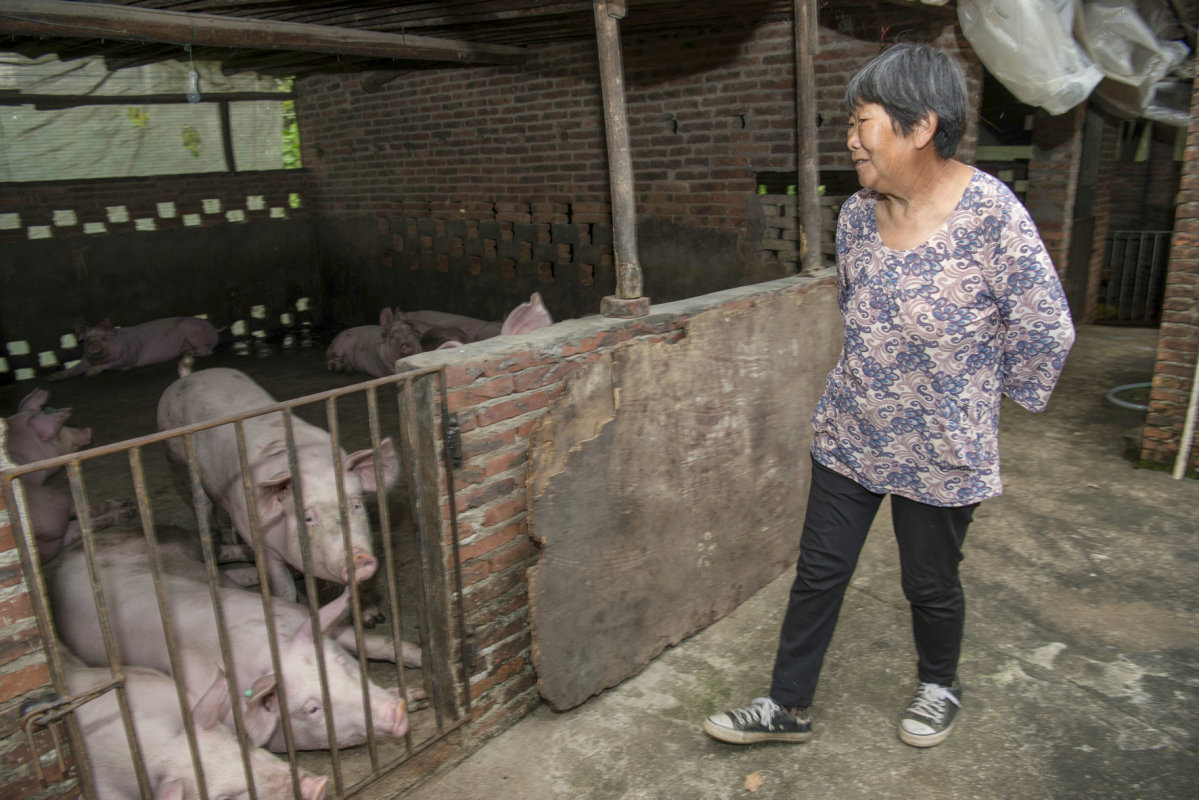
838, 518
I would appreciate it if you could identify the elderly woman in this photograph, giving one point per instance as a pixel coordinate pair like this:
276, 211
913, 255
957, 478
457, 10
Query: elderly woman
949, 300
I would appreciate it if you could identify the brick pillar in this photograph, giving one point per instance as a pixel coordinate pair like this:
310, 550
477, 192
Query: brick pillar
1178, 344
1053, 178
24, 673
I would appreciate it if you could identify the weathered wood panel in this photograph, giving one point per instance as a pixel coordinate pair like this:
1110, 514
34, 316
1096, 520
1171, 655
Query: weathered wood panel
667, 485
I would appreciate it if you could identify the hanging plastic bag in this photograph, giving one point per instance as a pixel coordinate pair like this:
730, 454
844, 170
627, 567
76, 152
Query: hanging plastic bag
1029, 46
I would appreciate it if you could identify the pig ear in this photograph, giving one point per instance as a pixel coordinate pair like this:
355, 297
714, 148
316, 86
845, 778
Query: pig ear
275, 490
327, 615
262, 710
169, 789
47, 426
34, 400
106, 325
362, 464
312, 787
212, 705
80, 331
385, 317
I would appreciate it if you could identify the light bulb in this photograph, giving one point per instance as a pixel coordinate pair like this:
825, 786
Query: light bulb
193, 87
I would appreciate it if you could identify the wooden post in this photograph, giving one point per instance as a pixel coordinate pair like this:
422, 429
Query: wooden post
627, 302
808, 202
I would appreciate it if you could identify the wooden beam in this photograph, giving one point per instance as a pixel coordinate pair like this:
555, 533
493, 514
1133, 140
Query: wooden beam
98, 21
808, 177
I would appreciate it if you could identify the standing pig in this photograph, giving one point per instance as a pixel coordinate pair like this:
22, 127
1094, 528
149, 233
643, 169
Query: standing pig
374, 349
215, 393
107, 347
154, 709
37, 432
124, 570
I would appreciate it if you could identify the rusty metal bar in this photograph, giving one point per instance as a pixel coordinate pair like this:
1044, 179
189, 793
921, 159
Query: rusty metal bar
389, 556
310, 592
199, 498
249, 492
146, 512
79, 496
351, 580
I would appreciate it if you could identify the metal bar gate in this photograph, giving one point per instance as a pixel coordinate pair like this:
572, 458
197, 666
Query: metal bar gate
1135, 276
111, 703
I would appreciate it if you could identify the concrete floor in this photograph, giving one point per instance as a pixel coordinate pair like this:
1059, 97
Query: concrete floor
1080, 666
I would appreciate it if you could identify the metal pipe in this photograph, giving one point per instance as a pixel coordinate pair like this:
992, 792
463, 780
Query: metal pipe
1188, 427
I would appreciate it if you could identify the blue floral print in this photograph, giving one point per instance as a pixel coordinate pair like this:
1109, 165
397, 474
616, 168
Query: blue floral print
933, 336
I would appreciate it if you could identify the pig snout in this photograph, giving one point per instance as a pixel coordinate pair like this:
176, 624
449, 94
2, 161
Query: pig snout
392, 717
364, 566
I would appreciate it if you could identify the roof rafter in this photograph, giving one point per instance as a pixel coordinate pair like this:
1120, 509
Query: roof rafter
95, 20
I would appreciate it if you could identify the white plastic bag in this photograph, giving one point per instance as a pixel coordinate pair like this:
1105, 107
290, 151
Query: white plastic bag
1029, 46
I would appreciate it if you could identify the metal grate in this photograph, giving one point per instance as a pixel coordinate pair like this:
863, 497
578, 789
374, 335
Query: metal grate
1134, 277
413, 587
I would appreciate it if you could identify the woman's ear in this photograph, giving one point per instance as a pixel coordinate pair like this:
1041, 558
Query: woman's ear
922, 133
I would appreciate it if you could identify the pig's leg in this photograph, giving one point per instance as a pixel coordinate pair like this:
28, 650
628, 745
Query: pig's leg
113, 512
279, 573
379, 647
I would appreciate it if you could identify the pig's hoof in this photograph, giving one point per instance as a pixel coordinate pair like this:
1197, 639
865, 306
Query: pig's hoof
417, 699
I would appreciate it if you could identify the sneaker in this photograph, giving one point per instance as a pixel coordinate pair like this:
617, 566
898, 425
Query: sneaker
763, 721
930, 717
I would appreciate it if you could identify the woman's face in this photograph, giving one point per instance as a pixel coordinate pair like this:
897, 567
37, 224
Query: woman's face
879, 153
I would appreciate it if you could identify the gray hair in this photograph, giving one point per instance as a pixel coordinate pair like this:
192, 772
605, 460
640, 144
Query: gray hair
909, 81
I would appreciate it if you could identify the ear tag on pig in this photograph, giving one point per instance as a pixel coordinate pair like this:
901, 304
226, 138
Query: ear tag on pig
49, 410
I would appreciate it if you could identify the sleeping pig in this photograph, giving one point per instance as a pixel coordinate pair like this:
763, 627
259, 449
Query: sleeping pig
154, 709
123, 567
107, 347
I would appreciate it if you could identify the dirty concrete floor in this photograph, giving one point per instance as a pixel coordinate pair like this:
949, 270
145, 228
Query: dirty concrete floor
1080, 666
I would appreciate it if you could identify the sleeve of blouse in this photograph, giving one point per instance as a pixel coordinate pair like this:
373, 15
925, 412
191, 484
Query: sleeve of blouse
842, 244
1037, 331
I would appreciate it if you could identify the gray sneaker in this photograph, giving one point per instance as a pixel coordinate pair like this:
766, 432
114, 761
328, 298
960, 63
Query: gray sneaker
763, 721
930, 717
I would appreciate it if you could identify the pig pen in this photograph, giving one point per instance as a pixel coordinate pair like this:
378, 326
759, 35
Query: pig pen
622, 484
120, 407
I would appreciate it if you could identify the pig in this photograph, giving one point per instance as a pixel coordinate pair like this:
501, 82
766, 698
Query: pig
53, 518
107, 347
374, 349
37, 432
528, 316
124, 571
214, 393
154, 710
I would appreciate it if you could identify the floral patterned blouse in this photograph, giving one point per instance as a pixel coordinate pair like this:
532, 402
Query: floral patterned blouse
933, 336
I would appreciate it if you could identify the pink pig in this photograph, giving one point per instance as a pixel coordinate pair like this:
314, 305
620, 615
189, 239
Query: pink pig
125, 572
528, 316
154, 709
214, 393
374, 349
107, 347
52, 514
36, 432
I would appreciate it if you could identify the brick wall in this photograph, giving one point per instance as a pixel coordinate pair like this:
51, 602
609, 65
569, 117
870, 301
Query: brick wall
1178, 345
1053, 178
709, 112
499, 393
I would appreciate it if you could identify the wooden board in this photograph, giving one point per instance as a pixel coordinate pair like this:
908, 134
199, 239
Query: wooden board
667, 485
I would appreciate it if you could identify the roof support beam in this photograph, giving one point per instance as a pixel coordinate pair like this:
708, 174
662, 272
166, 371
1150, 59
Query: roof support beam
124, 23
